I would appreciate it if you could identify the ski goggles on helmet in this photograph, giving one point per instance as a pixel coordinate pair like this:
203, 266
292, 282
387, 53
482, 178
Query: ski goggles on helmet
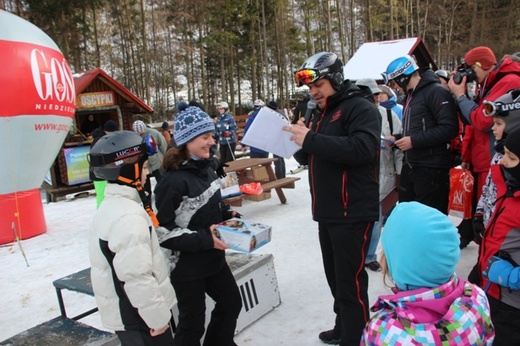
499, 109
307, 76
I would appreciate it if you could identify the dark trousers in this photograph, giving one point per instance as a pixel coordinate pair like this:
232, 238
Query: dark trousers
279, 167
143, 338
227, 152
343, 249
254, 155
506, 320
429, 186
191, 296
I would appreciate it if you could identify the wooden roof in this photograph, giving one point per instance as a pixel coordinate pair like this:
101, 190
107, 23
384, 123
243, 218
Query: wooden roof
83, 79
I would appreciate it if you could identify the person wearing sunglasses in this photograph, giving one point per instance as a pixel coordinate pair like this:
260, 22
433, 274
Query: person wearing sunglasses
340, 145
429, 124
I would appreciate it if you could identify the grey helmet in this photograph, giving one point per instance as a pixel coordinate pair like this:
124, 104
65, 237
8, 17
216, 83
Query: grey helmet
115, 155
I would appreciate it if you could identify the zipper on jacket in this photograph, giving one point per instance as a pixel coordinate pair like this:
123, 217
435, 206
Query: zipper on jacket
344, 192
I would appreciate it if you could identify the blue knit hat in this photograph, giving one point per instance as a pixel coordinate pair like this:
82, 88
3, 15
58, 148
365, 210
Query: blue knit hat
191, 123
421, 246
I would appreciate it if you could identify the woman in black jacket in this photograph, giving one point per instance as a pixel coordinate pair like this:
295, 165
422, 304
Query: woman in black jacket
189, 207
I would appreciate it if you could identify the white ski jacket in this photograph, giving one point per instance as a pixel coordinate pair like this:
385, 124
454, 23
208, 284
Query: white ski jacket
129, 274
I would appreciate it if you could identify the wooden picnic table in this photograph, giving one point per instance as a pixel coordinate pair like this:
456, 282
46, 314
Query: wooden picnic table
241, 166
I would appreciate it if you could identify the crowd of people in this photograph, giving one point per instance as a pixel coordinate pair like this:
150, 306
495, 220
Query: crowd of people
379, 172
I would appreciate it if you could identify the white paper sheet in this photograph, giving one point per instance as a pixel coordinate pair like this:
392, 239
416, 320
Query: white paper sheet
266, 133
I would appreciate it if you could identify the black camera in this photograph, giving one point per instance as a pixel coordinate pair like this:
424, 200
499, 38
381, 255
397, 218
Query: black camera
464, 72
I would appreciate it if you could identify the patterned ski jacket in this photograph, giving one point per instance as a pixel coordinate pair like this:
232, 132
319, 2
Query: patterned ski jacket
456, 313
188, 202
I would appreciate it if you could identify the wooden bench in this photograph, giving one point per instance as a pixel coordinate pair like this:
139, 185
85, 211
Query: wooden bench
241, 121
63, 332
235, 201
284, 183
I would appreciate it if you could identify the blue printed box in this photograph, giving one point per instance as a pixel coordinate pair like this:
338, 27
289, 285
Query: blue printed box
242, 235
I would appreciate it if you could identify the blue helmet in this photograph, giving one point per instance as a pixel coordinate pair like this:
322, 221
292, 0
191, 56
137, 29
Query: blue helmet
403, 66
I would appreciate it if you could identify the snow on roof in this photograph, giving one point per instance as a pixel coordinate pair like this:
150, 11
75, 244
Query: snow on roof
372, 58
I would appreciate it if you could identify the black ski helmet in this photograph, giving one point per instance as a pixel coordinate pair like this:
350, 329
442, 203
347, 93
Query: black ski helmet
321, 65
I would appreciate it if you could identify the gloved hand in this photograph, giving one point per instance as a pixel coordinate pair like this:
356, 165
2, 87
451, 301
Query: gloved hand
478, 227
221, 170
502, 272
226, 134
237, 214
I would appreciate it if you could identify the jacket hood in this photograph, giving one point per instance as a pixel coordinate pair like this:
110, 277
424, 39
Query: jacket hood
347, 91
504, 66
428, 77
390, 103
424, 305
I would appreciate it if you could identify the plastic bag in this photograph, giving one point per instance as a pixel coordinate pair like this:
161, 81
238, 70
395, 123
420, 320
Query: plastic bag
254, 188
461, 193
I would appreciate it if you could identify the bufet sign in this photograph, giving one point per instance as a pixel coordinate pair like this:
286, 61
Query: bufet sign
37, 100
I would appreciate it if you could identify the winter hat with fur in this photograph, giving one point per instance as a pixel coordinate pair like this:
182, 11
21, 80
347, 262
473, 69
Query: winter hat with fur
190, 123
421, 246
480, 55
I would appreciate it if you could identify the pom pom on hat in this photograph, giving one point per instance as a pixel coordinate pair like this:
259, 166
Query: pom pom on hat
182, 106
421, 246
139, 126
110, 126
480, 55
191, 123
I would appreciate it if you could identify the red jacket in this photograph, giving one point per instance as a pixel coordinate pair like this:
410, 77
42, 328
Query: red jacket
502, 230
504, 77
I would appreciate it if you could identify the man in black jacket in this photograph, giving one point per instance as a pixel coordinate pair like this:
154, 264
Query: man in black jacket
429, 124
341, 147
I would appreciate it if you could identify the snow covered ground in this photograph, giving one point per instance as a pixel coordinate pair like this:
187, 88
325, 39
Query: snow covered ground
28, 296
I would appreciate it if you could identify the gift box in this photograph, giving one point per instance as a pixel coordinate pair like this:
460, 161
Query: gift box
242, 235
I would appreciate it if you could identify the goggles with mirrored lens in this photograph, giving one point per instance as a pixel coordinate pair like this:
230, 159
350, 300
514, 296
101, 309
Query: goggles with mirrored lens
494, 109
307, 76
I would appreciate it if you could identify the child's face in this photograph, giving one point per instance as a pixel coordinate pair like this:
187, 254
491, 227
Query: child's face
144, 172
498, 127
509, 159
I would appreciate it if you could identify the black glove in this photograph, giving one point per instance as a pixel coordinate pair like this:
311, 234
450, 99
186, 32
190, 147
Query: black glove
220, 170
238, 215
478, 227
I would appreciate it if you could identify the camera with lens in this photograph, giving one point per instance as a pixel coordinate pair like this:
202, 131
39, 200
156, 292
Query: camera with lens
462, 72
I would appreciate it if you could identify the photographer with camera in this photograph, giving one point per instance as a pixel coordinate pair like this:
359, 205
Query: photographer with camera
493, 79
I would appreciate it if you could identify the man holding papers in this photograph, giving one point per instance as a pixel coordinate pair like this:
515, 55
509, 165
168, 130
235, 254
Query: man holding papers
341, 147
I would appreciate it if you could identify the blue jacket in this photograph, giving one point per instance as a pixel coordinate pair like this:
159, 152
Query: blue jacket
248, 124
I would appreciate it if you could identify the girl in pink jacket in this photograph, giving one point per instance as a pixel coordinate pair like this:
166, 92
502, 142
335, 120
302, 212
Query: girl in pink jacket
430, 304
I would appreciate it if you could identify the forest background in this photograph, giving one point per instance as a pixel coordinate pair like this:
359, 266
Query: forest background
241, 50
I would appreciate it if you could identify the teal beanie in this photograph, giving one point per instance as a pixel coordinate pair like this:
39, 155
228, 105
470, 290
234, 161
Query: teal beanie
421, 246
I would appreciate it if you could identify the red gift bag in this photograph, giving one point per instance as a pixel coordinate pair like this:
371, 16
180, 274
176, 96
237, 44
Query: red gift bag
254, 188
461, 193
